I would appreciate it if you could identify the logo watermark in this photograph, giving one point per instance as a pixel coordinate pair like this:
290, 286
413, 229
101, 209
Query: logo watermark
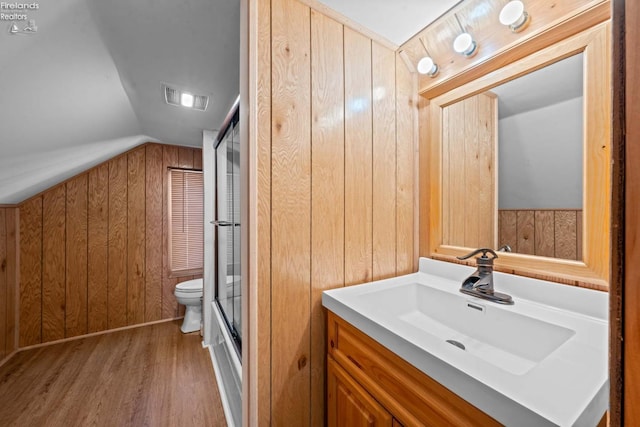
19, 16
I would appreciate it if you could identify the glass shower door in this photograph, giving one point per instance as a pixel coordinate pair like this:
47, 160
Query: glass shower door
228, 231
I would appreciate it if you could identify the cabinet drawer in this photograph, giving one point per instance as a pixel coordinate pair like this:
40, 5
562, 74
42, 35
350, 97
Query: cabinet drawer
411, 396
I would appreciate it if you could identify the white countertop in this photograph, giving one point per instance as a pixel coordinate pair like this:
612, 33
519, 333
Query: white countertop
567, 387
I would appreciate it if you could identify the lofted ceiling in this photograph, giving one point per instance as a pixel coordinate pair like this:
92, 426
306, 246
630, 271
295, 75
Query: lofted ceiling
87, 85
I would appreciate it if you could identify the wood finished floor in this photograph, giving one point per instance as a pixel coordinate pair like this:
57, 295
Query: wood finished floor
148, 376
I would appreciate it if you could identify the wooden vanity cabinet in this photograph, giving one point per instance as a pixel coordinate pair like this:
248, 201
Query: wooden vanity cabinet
368, 385
350, 404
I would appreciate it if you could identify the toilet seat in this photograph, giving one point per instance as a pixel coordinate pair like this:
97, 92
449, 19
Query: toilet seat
190, 286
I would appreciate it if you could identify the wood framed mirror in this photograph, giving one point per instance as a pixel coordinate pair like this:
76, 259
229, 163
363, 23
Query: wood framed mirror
471, 185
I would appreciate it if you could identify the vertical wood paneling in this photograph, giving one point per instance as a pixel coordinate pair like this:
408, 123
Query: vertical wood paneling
457, 175
508, 232
327, 188
544, 234
566, 234
30, 290
525, 232
12, 227
88, 246
260, 283
384, 161
153, 234
117, 290
170, 158
136, 180
550, 233
379, 117
197, 159
4, 302
468, 172
308, 218
53, 263
76, 243
473, 180
185, 158
358, 159
291, 212
98, 248
444, 176
8, 282
405, 158
487, 119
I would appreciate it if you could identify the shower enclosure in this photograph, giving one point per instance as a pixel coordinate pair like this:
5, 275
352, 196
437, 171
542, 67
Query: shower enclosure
227, 224
223, 330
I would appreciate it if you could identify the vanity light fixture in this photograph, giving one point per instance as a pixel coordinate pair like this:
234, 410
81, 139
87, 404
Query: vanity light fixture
514, 16
464, 44
427, 65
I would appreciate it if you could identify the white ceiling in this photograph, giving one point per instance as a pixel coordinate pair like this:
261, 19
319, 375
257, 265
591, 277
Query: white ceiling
398, 20
87, 85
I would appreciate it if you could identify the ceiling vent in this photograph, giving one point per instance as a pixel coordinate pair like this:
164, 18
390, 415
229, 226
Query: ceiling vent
173, 96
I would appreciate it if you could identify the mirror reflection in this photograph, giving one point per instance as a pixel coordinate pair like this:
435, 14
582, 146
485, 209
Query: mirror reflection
512, 164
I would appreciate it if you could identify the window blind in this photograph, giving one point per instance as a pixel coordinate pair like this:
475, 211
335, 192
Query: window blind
186, 213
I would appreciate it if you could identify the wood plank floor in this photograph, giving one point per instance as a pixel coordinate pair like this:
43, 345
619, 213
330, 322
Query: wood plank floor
148, 376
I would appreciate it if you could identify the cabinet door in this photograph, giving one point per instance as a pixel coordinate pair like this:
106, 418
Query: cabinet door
349, 405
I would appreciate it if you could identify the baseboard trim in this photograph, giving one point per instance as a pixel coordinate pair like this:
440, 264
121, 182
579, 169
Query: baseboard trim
93, 334
9, 356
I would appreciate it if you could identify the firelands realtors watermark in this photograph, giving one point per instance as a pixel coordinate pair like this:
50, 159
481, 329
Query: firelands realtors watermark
19, 14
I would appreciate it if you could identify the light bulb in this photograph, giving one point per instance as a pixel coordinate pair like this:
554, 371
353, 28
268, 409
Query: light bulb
186, 99
427, 66
514, 16
465, 45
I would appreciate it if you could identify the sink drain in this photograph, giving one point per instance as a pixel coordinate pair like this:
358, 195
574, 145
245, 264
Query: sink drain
456, 343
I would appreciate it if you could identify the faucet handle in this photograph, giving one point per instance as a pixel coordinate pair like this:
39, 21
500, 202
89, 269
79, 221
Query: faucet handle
484, 254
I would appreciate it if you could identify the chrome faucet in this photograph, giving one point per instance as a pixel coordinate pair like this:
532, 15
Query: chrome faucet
480, 283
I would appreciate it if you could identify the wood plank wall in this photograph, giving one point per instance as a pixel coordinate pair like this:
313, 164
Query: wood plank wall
469, 150
93, 249
551, 233
340, 165
8, 281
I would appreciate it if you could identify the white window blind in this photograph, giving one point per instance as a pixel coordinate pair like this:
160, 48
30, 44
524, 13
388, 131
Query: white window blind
186, 213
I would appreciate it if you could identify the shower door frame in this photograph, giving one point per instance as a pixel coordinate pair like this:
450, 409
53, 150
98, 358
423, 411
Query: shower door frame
230, 126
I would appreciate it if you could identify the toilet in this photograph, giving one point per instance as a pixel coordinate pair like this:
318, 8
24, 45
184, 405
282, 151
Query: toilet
189, 294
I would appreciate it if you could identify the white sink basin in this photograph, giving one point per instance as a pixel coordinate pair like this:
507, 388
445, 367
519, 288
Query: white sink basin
541, 361
506, 339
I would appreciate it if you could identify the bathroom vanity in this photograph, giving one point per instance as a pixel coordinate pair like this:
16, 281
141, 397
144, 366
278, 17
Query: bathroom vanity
369, 385
413, 350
